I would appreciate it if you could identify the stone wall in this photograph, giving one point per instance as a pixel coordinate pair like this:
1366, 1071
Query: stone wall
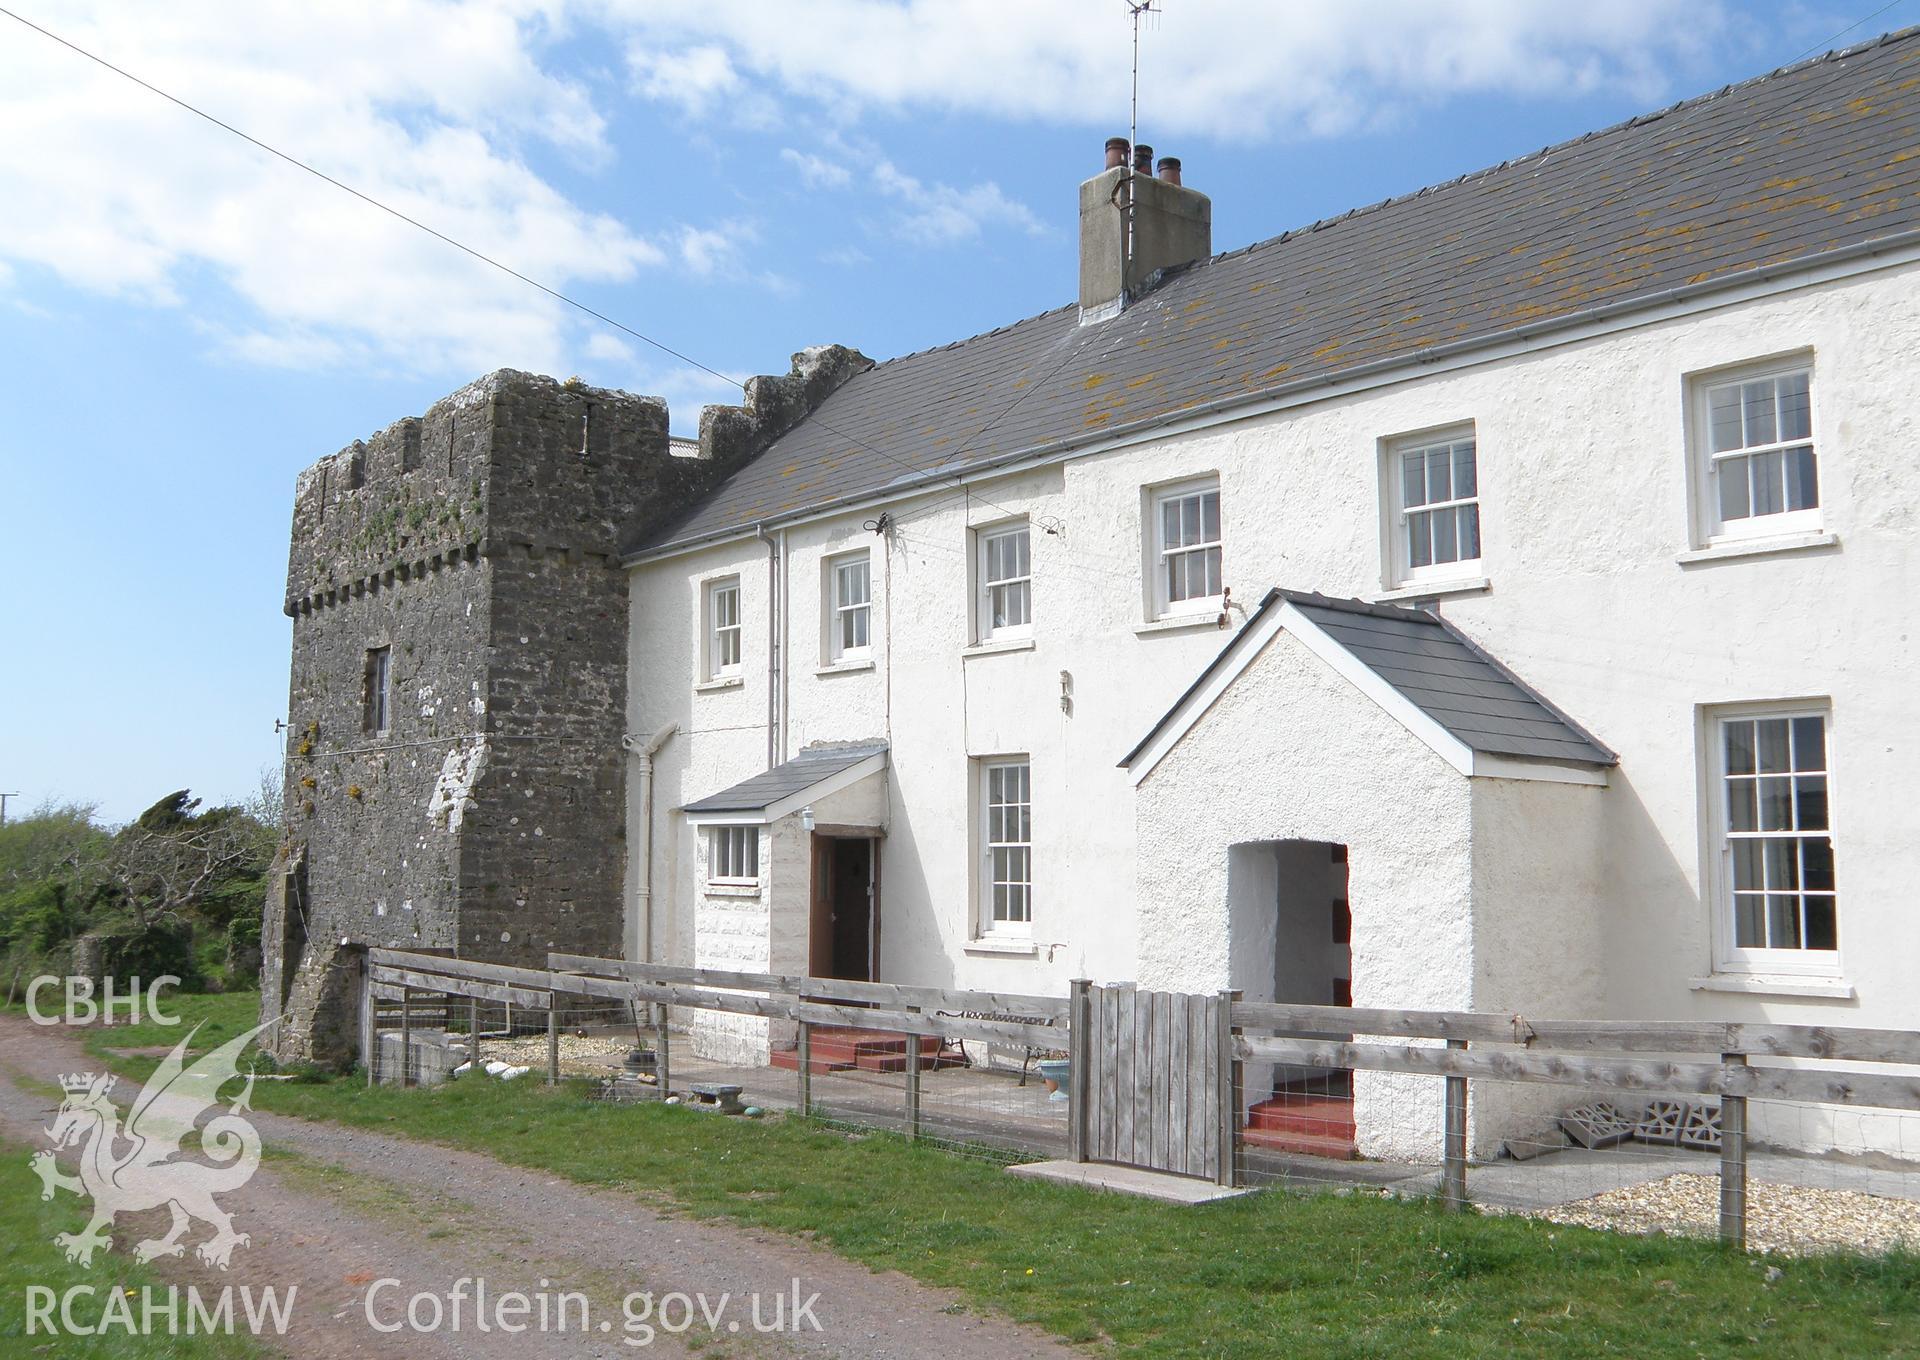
480, 545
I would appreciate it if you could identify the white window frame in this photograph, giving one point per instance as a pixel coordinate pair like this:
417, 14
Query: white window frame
835, 609
1159, 552
1399, 514
714, 665
1730, 957
988, 924
984, 541
733, 855
1709, 528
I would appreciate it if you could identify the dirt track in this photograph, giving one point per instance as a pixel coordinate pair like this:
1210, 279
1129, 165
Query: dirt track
349, 1208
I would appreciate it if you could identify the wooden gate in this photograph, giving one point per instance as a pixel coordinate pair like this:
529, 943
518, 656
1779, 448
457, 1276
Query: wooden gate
1153, 1079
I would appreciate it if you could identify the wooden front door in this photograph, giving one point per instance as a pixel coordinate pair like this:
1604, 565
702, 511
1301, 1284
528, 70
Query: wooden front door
843, 936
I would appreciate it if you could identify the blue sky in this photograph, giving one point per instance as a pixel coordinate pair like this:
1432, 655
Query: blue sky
185, 323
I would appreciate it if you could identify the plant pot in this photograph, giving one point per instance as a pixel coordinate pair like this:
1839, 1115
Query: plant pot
1053, 1071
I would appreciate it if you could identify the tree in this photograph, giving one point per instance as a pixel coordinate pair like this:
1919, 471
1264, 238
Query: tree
172, 861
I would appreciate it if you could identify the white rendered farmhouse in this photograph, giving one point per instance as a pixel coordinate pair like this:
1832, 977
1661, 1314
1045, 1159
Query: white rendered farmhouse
1499, 598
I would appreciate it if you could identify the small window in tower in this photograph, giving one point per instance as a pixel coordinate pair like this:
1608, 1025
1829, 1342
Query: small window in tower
379, 687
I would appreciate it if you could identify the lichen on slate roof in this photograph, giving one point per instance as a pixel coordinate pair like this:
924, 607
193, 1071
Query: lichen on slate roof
1819, 157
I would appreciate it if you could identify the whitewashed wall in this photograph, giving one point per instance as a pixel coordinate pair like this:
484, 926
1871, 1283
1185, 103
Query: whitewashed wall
1583, 473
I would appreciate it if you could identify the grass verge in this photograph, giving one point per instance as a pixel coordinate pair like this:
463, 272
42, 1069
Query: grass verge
28, 1258
1330, 1275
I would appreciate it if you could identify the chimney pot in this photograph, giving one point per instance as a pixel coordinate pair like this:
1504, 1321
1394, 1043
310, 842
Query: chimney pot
1133, 227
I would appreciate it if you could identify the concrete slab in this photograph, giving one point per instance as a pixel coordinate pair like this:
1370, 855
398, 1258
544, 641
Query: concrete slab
1128, 1180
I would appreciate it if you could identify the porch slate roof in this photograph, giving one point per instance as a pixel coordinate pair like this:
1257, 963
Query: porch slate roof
797, 775
1447, 675
1437, 668
1812, 160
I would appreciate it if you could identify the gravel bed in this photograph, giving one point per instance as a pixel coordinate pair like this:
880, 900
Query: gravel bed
1791, 1220
531, 1049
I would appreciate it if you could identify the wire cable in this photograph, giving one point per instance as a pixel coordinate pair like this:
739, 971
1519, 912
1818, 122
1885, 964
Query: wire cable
370, 200
1826, 44
481, 256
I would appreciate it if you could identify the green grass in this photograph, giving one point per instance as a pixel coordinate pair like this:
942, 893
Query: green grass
28, 1257
1328, 1275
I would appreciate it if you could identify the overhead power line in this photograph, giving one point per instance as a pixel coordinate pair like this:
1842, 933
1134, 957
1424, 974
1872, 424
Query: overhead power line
958, 478
1826, 44
370, 200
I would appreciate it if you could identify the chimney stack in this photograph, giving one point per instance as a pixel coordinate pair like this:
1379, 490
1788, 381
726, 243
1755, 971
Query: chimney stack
1132, 226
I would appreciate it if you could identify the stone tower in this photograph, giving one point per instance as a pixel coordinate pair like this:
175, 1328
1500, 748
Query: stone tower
455, 778
454, 770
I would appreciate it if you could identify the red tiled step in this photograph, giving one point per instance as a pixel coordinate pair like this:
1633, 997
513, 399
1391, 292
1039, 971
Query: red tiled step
1318, 1126
1337, 1149
1316, 1116
837, 1050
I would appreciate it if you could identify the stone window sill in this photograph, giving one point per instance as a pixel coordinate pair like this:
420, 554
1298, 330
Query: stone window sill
997, 645
1010, 948
1180, 623
719, 683
864, 663
1428, 590
1775, 984
1757, 547
733, 890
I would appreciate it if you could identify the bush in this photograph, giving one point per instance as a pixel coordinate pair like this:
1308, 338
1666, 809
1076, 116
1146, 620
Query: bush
163, 949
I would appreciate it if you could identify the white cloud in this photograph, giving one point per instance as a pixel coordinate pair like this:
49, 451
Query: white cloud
692, 77
716, 249
425, 104
817, 172
1219, 67
929, 213
940, 214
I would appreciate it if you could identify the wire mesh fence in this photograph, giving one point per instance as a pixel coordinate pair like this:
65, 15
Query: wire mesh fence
1811, 1177
1787, 1139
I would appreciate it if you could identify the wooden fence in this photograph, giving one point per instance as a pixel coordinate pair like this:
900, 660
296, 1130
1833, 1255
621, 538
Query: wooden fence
885, 1007
1138, 1057
1602, 1055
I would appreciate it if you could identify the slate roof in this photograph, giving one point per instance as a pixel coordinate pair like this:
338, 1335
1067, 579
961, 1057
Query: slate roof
1817, 158
1451, 680
1439, 669
784, 780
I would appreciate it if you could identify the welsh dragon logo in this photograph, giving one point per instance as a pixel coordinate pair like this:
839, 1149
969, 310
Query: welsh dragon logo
139, 1168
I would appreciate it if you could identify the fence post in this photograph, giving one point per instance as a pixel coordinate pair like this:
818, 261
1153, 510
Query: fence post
406, 1037
1229, 1077
1453, 1181
806, 1068
553, 1038
1733, 1158
663, 1065
1079, 1066
369, 1031
473, 1034
913, 1081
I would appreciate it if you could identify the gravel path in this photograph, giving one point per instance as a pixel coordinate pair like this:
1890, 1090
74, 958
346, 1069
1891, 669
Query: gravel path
354, 1207
1792, 1220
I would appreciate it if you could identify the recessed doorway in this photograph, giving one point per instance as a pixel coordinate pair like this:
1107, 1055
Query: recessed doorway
843, 937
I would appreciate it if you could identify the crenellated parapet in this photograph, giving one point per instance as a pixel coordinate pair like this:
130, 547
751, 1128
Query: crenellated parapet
729, 435
510, 462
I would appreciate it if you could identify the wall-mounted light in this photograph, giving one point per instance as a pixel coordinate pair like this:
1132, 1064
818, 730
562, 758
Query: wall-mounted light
1066, 693
806, 818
